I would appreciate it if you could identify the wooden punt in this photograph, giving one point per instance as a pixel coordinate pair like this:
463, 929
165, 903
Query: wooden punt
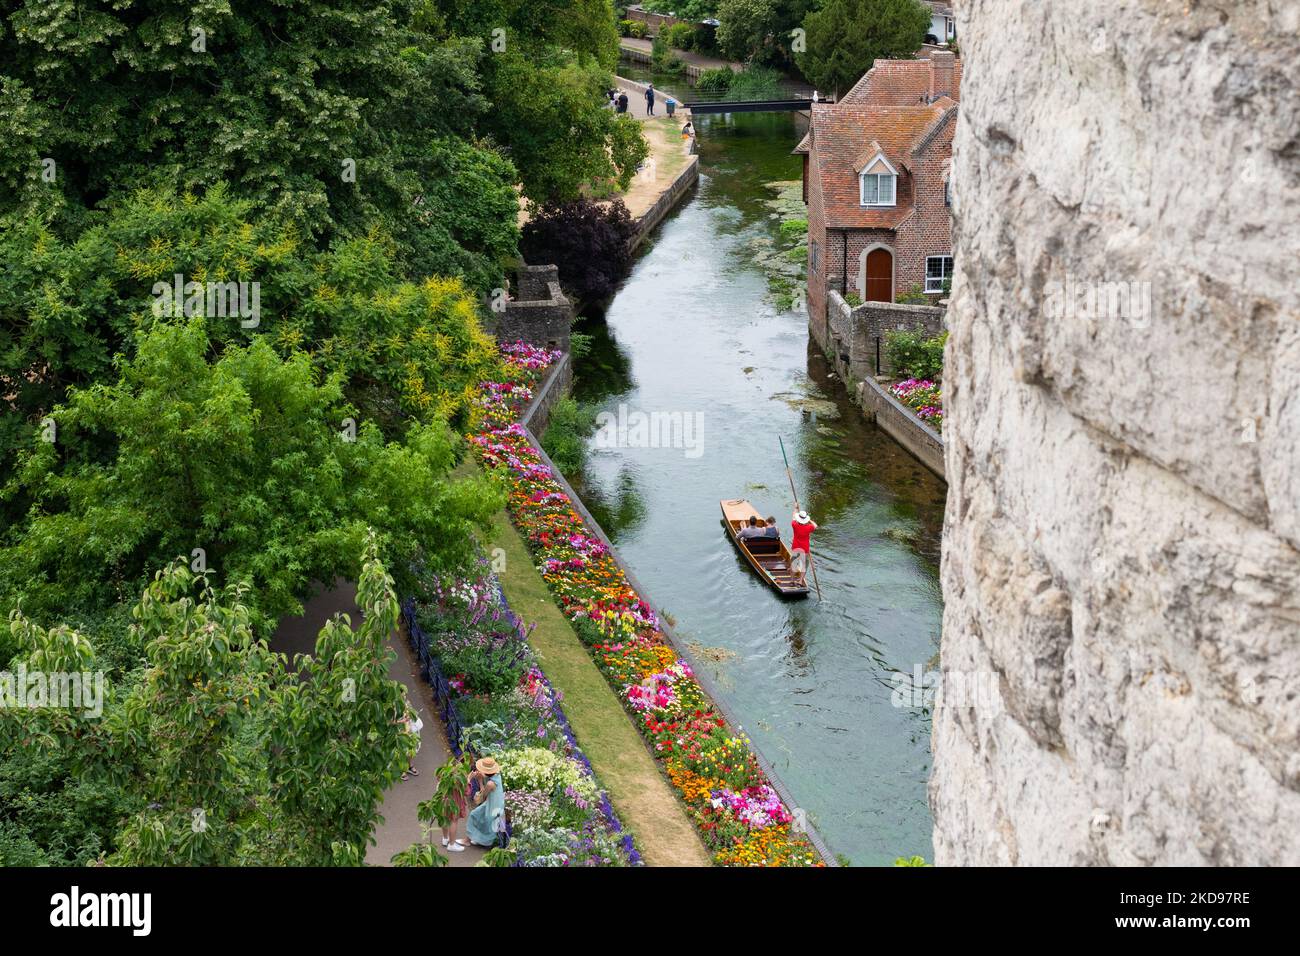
768, 556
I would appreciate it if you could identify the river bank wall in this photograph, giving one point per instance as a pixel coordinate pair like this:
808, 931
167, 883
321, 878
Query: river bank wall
852, 339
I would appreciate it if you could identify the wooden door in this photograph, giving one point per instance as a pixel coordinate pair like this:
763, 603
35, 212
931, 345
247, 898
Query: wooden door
880, 276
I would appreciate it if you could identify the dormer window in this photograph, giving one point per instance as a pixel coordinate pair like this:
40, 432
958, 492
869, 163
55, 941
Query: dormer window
879, 183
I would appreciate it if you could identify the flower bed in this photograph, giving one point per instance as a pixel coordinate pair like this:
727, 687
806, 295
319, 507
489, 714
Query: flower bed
924, 397
712, 767
495, 701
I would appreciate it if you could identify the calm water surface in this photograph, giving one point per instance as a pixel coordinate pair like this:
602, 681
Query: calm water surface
691, 331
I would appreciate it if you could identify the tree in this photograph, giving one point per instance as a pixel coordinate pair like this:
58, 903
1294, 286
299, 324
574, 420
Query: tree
335, 733
215, 751
548, 115
406, 351
845, 37
282, 101
761, 32
588, 241
245, 465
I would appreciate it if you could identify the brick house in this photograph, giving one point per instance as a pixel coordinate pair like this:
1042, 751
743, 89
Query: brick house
876, 168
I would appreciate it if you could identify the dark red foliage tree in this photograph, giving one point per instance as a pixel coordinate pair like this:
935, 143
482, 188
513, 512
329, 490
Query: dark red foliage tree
589, 243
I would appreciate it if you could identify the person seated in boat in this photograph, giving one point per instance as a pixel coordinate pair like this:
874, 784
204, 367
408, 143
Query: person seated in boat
803, 527
771, 531
752, 529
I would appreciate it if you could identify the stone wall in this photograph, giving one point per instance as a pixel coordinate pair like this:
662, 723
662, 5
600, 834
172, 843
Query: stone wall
848, 340
1121, 571
899, 422
539, 313
655, 22
553, 387
849, 334
670, 198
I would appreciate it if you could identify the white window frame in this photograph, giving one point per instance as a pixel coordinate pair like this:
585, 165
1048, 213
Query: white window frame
890, 174
944, 273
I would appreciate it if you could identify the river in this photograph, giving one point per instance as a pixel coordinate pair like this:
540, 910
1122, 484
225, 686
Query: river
693, 331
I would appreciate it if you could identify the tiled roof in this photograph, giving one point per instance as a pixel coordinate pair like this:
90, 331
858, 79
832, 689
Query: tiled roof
805, 144
904, 82
842, 136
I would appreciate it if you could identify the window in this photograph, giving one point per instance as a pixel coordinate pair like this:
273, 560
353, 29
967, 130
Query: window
815, 254
878, 189
937, 270
947, 192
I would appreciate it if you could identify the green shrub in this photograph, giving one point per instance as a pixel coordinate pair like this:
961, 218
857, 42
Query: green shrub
913, 296
565, 438
486, 670
662, 57
916, 354
588, 632
717, 80
755, 83
680, 36
853, 299
632, 28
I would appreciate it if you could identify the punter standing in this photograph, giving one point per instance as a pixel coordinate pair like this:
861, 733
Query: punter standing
801, 547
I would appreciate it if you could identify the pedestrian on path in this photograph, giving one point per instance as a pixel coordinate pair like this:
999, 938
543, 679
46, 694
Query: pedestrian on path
488, 818
453, 799
413, 724
622, 102
650, 99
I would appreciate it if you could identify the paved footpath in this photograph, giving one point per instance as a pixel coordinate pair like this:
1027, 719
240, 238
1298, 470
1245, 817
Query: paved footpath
686, 56
401, 826
641, 796
636, 102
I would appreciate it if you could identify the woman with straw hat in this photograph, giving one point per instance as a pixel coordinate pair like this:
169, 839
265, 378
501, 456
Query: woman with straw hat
487, 818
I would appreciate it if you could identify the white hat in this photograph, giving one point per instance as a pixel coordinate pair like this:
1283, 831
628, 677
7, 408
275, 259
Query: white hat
802, 518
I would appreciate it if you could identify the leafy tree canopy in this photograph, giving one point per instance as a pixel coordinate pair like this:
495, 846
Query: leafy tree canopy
289, 770
557, 142
845, 37
588, 241
761, 31
247, 458
68, 308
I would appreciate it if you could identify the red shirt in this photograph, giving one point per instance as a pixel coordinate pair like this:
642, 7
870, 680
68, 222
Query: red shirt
802, 534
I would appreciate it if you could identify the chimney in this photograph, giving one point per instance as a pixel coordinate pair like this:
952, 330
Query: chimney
942, 66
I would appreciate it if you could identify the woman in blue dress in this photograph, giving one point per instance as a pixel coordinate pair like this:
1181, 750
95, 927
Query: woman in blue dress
488, 814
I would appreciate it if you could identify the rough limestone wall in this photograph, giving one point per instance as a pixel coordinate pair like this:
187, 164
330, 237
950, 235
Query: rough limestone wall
1121, 649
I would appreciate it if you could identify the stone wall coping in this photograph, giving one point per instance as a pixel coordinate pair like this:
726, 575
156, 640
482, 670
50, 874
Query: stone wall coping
884, 393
